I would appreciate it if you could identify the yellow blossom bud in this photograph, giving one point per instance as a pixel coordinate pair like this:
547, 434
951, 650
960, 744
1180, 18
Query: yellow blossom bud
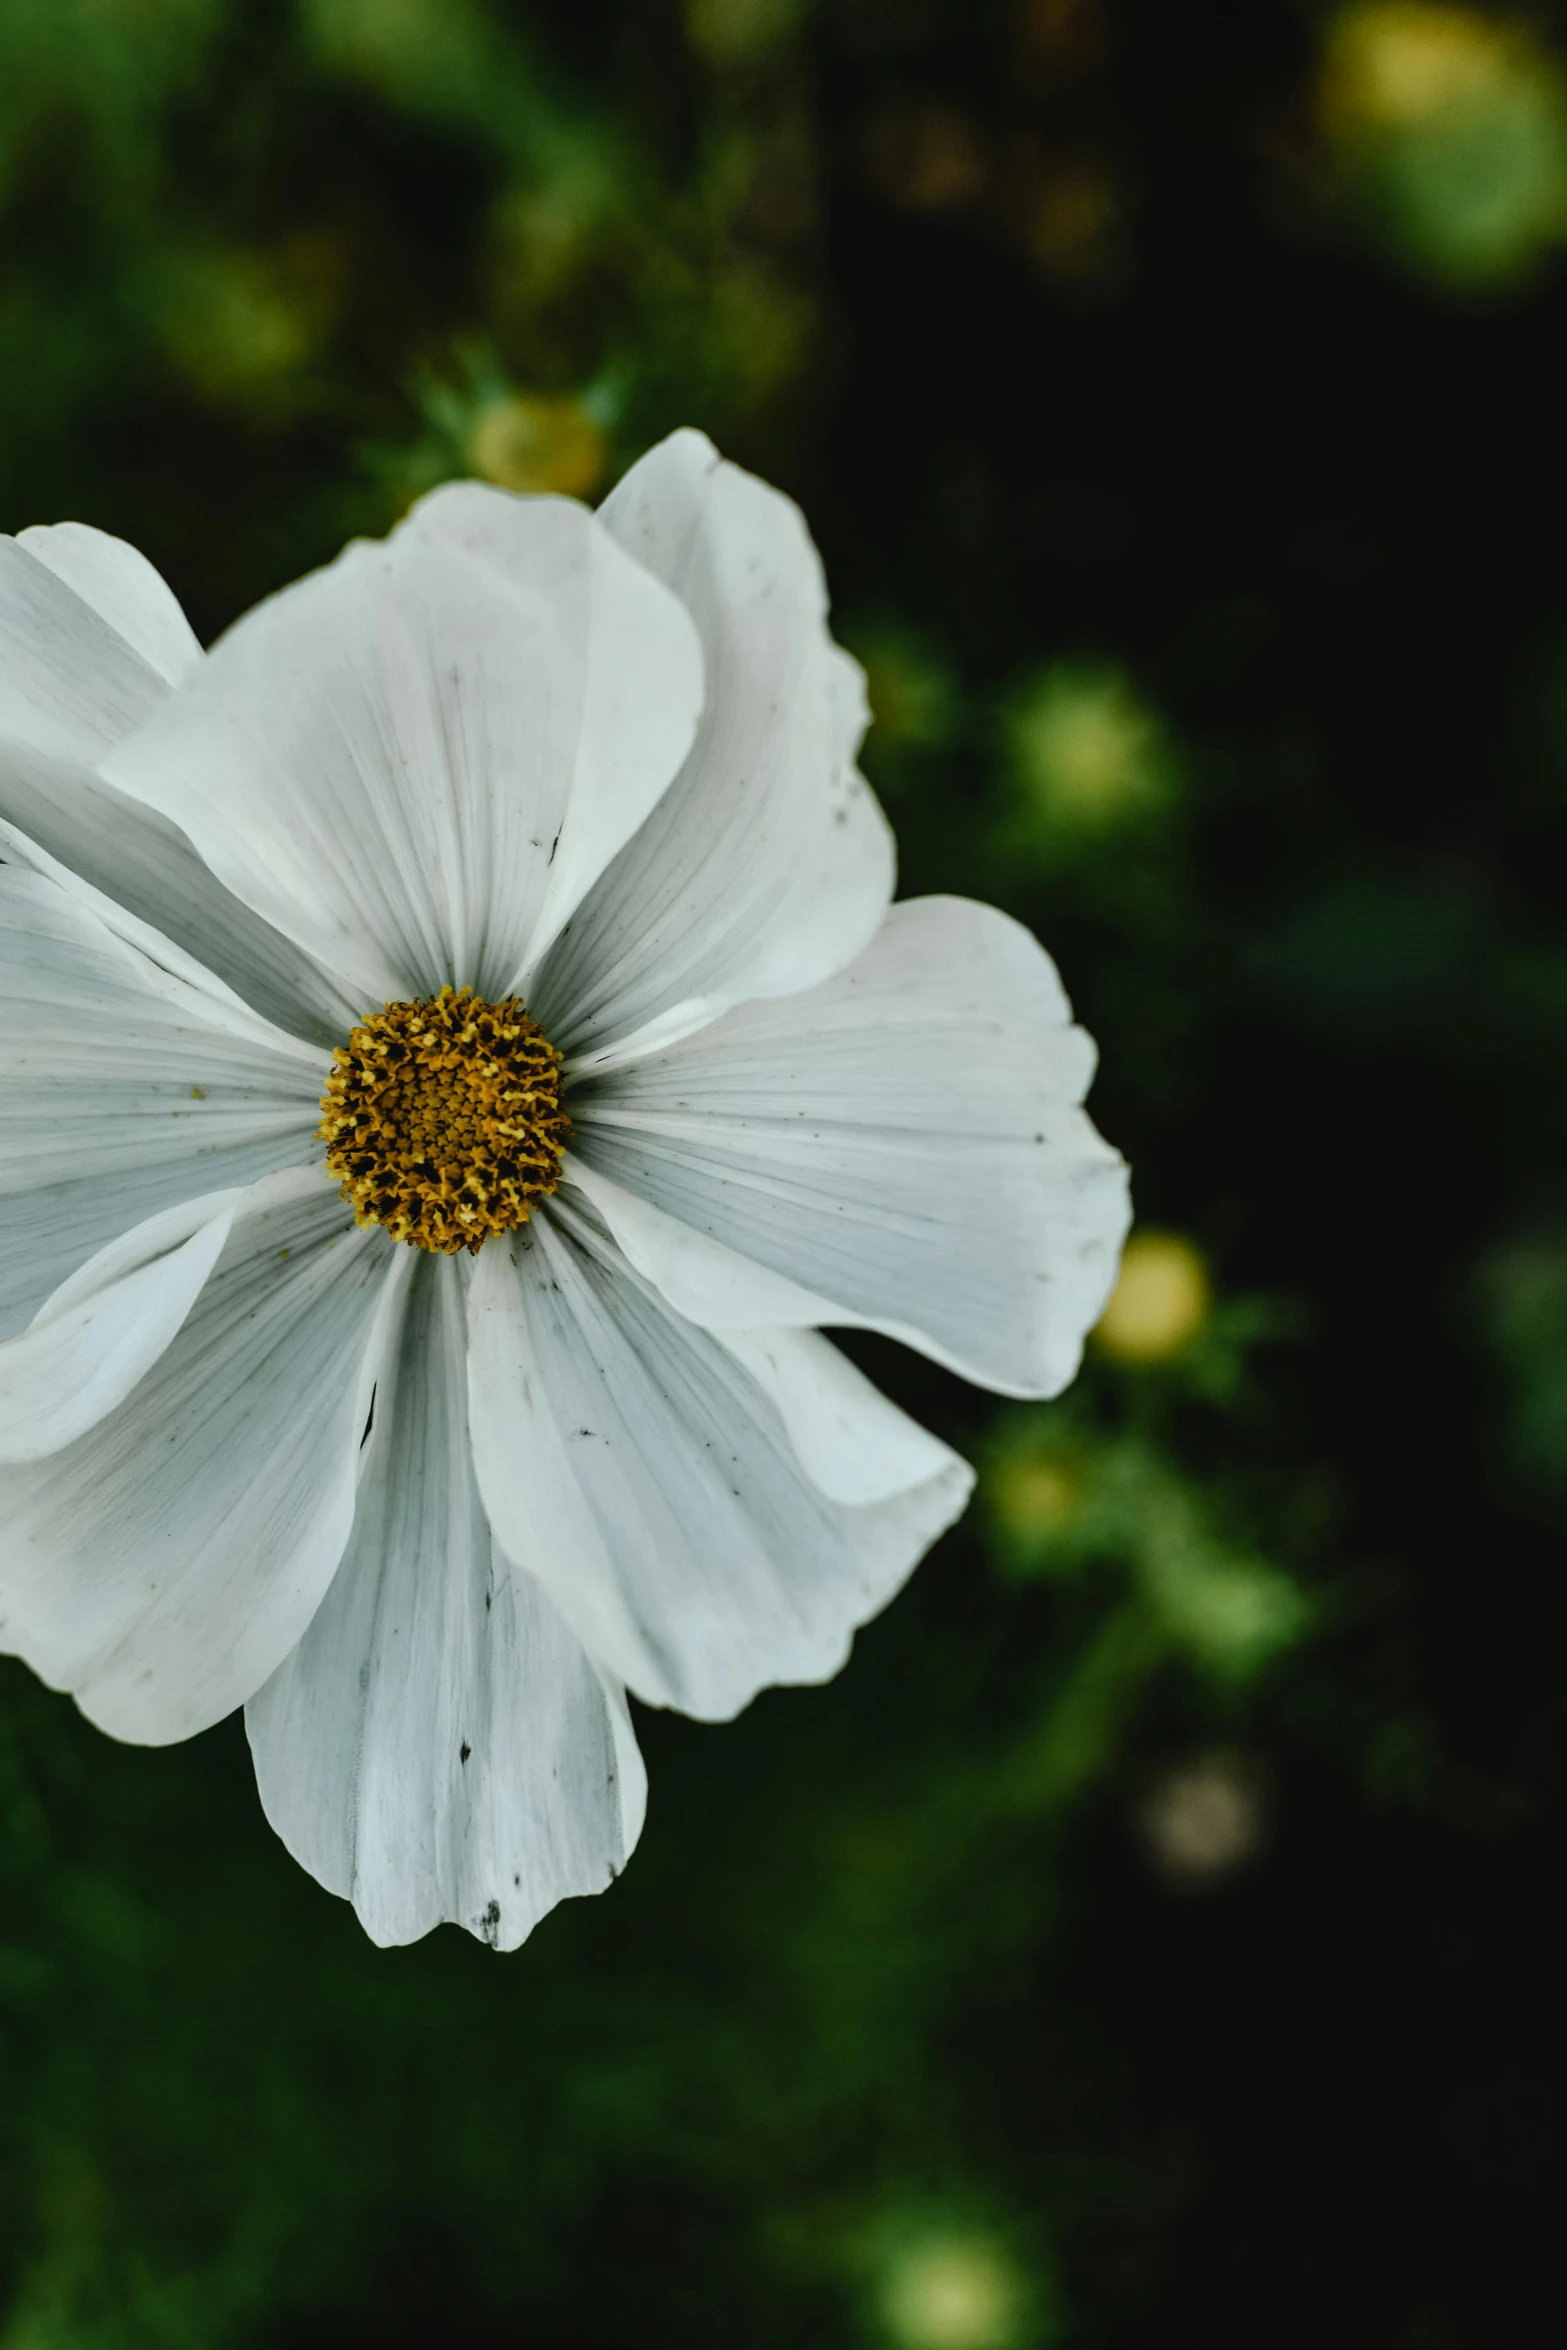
529, 442
1160, 1302
1401, 62
1447, 128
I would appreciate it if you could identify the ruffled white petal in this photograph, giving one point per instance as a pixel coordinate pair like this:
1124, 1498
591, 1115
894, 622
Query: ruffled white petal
122, 587
853, 1444
91, 641
414, 762
767, 864
163, 1565
902, 1148
123, 1091
646, 1475
438, 1745
103, 1330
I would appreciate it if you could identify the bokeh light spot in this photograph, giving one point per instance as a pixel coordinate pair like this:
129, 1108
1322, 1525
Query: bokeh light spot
1446, 130
1033, 1498
1088, 750
953, 2292
1160, 1302
1203, 1820
912, 696
926, 156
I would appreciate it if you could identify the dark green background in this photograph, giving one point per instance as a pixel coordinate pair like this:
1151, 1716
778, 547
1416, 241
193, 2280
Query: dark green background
1082, 336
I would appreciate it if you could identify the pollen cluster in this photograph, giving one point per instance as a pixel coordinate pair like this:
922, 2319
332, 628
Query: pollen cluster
443, 1119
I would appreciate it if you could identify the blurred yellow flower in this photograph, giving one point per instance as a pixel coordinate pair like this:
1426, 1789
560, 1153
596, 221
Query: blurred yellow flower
1399, 62
953, 2292
1160, 1302
1447, 129
528, 442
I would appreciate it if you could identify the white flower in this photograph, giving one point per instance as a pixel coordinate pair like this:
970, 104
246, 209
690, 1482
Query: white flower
428, 1511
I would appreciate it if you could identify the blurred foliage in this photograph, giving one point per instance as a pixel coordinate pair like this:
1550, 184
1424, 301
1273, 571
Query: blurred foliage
1141, 1942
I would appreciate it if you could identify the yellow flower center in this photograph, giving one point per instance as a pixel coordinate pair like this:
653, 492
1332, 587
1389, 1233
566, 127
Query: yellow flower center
443, 1120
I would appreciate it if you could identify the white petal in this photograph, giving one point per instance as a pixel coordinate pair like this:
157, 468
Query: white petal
141, 877
641, 692
900, 1149
90, 641
122, 1091
70, 682
103, 1330
767, 864
648, 1479
438, 1746
852, 1443
704, 1279
415, 761
122, 587
163, 1565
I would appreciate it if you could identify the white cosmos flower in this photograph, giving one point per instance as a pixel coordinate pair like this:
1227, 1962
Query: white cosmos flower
426, 1511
